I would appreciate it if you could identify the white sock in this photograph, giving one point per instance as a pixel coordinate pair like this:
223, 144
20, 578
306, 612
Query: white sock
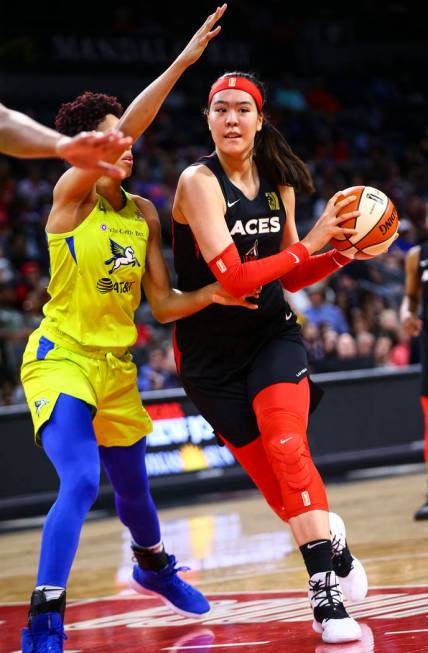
155, 548
52, 592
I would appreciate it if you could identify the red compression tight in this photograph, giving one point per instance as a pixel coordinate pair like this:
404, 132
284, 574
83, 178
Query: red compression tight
279, 462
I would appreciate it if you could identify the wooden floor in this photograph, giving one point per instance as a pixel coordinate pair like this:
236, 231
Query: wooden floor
238, 548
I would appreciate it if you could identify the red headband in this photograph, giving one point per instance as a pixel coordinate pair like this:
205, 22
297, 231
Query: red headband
239, 83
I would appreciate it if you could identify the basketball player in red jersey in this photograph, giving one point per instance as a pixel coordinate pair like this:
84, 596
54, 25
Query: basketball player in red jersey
248, 374
416, 288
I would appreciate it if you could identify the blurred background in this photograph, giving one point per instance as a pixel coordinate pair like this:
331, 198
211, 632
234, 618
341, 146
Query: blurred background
346, 85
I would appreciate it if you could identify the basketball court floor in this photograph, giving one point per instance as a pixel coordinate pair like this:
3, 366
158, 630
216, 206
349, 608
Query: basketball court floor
243, 558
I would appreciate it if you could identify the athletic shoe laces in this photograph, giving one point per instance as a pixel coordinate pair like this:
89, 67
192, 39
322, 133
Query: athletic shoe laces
337, 545
52, 640
49, 640
171, 571
169, 574
342, 559
326, 595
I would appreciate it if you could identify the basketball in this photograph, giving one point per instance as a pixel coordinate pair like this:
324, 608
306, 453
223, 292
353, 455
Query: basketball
377, 225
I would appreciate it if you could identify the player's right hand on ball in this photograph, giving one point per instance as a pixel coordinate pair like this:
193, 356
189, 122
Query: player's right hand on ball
328, 225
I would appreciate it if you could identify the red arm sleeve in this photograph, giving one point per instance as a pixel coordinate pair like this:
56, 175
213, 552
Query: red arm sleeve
314, 269
240, 279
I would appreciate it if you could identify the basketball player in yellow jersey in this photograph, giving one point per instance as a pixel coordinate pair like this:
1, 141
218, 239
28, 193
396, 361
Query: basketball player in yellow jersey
77, 373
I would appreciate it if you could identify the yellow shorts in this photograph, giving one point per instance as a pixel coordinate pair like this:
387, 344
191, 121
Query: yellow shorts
101, 379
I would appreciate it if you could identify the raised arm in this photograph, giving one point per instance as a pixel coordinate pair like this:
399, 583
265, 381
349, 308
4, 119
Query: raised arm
169, 304
200, 203
146, 105
77, 186
21, 136
412, 325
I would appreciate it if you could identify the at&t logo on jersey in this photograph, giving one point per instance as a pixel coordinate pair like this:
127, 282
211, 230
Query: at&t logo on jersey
106, 285
256, 226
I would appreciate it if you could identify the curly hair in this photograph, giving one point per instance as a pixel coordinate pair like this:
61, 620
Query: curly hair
86, 112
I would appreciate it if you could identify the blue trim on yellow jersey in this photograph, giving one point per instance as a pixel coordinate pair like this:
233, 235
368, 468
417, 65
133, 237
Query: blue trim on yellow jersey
45, 346
70, 243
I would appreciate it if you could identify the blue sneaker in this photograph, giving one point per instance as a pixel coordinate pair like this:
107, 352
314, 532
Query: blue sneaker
45, 634
175, 592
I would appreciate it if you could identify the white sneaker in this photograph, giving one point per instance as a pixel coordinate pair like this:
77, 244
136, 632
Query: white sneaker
351, 573
363, 645
330, 617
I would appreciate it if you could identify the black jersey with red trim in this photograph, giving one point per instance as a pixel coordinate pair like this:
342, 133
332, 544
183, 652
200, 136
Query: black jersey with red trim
224, 339
423, 273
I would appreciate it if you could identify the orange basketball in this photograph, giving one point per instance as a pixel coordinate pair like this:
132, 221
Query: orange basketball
377, 225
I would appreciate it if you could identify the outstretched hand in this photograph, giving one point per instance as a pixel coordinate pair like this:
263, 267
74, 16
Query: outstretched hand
220, 296
202, 37
88, 150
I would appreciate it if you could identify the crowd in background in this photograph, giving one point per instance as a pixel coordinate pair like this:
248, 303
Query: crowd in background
348, 134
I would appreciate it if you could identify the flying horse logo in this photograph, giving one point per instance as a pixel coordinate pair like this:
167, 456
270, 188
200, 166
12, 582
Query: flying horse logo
121, 256
39, 404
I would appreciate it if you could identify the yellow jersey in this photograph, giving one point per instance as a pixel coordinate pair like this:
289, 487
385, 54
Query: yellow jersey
95, 284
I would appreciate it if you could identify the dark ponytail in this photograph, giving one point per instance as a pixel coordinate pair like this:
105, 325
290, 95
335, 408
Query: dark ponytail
276, 160
274, 157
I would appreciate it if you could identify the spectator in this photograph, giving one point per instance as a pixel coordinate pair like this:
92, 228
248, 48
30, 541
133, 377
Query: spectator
365, 342
313, 343
34, 188
157, 374
345, 357
323, 312
400, 353
382, 351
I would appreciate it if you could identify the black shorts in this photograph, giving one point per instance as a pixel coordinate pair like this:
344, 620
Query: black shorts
227, 404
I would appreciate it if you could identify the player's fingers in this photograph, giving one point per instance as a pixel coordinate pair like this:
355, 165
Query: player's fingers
213, 18
347, 216
110, 170
252, 295
346, 200
347, 231
213, 33
245, 304
88, 138
209, 22
220, 11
